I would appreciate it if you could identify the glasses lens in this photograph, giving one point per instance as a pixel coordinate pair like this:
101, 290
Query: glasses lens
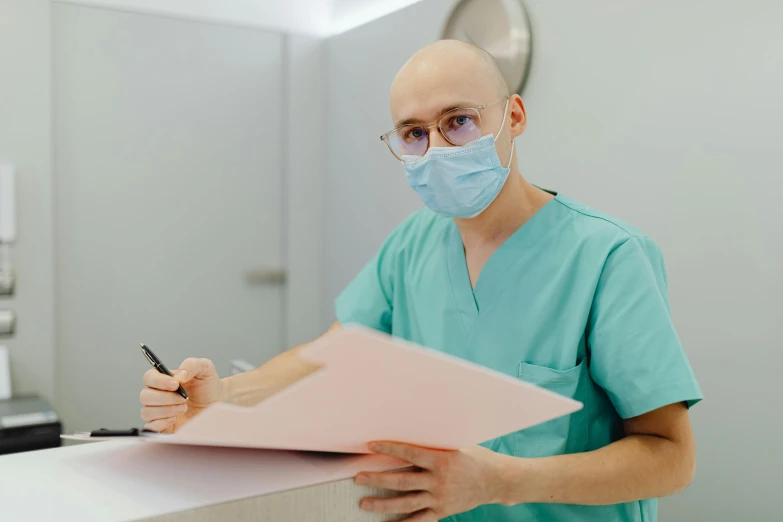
409, 141
461, 126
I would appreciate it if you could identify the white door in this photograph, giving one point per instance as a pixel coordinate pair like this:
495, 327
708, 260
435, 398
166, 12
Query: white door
168, 192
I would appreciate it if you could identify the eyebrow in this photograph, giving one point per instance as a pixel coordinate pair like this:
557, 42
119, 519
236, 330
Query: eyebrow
459, 105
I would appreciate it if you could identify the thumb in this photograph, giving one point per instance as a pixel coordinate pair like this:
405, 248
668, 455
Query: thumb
193, 368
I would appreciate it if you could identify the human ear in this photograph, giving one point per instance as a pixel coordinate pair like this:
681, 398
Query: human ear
518, 115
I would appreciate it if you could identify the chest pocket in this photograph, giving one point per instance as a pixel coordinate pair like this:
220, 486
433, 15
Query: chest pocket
566, 434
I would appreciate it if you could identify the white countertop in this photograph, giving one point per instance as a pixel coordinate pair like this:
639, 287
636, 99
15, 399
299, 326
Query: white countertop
128, 480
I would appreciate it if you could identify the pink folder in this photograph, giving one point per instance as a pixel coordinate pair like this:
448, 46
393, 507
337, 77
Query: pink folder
375, 387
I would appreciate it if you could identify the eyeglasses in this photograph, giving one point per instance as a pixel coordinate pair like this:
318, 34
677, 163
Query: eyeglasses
458, 127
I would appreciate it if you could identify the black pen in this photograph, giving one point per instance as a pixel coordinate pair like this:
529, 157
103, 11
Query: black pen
158, 365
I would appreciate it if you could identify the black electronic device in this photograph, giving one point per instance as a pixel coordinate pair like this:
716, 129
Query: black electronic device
28, 423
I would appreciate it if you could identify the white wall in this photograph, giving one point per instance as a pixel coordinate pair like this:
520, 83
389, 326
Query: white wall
348, 14
302, 16
304, 177
311, 17
366, 191
666, 114
168, 188
25, 141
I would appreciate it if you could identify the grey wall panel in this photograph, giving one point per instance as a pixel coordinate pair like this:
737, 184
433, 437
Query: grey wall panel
25, 141
168, 189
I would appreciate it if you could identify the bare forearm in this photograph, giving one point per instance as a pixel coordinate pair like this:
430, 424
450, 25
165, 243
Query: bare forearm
250, 388
633, 468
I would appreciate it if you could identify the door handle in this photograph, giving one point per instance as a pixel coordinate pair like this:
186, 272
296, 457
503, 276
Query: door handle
274, 276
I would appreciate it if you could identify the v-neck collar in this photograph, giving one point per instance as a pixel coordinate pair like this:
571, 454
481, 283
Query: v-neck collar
471, 301
460, 280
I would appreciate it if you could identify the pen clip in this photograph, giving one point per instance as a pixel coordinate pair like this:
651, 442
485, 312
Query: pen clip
147, 355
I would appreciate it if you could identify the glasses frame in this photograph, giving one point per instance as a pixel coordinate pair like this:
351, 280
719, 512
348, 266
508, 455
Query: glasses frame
478, 109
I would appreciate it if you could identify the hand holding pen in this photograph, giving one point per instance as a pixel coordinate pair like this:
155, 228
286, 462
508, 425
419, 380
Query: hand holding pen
171, 399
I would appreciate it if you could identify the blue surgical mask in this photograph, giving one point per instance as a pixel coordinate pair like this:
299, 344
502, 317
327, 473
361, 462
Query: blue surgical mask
459, 182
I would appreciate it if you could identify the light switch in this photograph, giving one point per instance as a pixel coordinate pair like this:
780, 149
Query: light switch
7, 322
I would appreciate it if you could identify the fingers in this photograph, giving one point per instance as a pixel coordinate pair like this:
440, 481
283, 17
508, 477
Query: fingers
152, 413
161, 425
156, 380
421, 457
405, 481
425, 515
161, 404
409, 503
150, 397
193, 368
189, 369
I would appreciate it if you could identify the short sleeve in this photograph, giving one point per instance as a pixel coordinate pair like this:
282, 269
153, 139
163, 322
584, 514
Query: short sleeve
635, 353
368, 299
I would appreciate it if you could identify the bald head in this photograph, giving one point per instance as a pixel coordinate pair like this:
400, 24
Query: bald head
447, 71
469, 58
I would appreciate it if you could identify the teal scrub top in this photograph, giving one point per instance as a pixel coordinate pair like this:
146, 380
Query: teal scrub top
574, 301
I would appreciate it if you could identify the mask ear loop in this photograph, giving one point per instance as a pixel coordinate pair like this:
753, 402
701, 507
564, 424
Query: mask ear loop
513, 143
512, 154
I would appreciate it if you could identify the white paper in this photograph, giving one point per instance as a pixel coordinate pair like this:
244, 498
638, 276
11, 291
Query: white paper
374, 387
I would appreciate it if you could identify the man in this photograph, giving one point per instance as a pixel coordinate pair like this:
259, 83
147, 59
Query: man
524, 281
